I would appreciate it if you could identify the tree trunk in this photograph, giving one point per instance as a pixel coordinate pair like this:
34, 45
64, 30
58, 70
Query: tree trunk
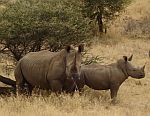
100, 22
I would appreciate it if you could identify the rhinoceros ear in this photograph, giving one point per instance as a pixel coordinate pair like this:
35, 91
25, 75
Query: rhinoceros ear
68, 48
130, 58
125, 58
80, 48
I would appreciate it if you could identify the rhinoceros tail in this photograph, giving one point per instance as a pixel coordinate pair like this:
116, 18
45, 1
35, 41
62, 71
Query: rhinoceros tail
8, 81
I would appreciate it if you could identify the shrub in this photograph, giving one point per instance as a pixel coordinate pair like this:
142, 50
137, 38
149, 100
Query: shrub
30, 25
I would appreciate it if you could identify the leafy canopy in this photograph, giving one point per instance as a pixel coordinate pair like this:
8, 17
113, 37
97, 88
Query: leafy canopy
108, 9
29, 25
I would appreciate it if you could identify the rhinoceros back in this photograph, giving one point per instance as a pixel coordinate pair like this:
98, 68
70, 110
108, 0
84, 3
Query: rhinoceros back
34, 67
96, 76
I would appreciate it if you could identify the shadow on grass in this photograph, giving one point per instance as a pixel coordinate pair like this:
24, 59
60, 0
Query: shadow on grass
7, 91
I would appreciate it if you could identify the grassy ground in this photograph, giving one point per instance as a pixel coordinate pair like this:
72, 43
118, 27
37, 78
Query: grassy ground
133, 96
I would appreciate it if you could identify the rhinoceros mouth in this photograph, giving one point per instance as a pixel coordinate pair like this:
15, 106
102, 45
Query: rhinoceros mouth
140, 77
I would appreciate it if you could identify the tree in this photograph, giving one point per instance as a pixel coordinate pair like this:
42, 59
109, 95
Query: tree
104, 10
30, 25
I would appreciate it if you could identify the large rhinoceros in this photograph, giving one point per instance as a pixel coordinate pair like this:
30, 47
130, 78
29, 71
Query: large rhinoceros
48, 70
104, 77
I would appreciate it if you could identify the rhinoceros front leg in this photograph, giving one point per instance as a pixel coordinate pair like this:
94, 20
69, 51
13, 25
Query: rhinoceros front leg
56, 86
113, 92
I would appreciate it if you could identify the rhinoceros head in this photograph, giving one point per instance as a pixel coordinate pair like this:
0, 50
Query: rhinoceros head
130, 70
73, 63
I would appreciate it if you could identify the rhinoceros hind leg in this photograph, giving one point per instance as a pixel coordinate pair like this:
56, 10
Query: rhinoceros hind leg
20, 88
29, 89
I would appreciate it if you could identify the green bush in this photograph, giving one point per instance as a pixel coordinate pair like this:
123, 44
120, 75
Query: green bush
30, 25
90, 59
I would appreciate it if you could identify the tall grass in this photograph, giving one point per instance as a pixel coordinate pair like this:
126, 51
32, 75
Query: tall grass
134, 21
133, 96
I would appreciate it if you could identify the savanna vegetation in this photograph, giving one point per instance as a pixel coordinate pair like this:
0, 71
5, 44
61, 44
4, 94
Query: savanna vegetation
30, 25
109, 29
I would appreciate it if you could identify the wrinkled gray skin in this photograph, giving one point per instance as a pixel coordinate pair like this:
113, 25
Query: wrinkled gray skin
104, 77
48, 70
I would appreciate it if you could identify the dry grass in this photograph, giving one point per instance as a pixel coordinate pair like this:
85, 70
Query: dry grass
135, 20
133, 96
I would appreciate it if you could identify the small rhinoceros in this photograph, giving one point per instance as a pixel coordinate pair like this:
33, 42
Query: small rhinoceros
48, 70
104, 77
